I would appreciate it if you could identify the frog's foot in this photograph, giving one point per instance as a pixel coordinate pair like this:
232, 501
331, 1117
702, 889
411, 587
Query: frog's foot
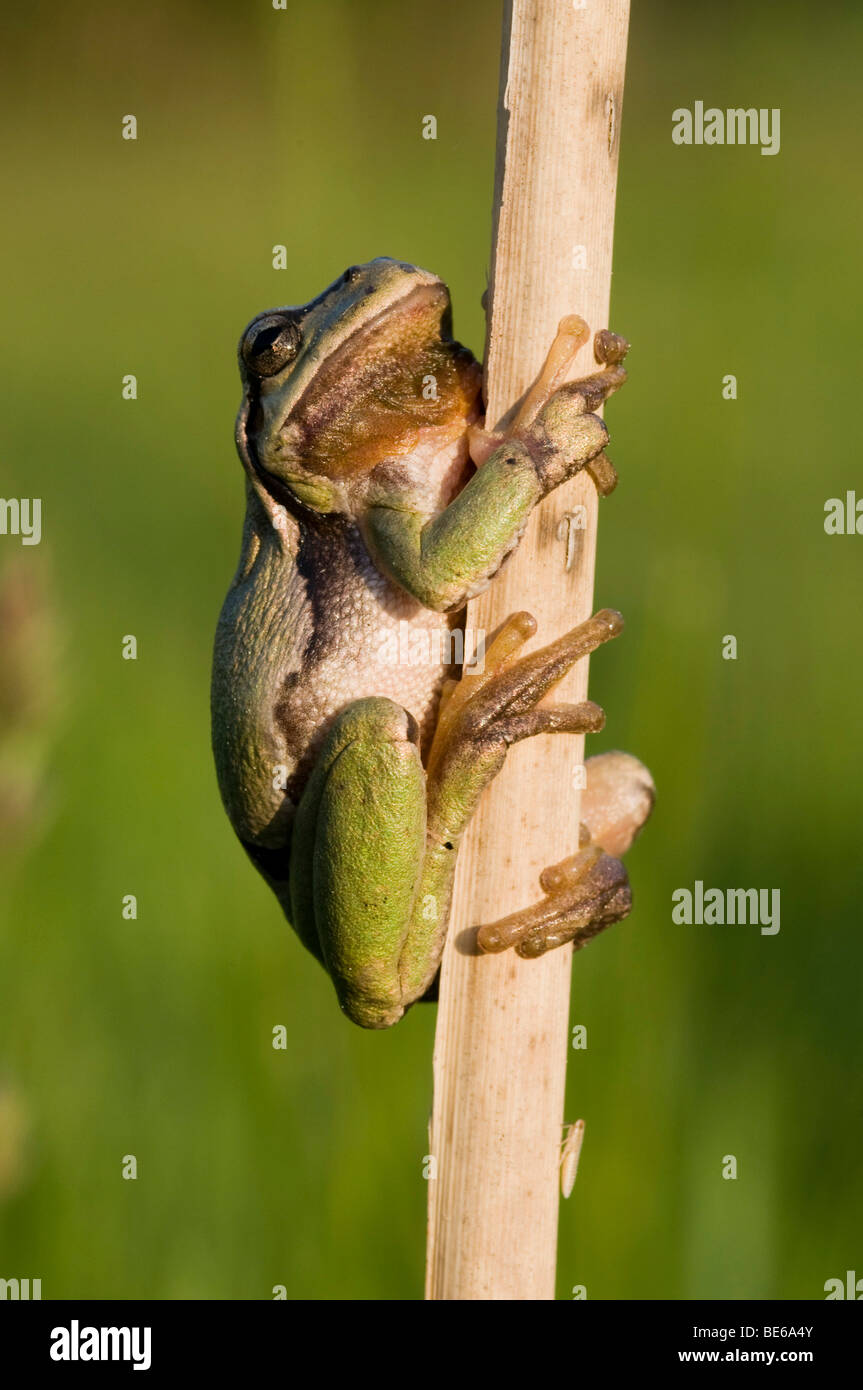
590, 392
588, 891
551, 401
480, 717
591, 890
485, 712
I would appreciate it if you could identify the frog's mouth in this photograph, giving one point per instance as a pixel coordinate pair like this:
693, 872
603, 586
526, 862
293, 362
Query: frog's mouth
396, 373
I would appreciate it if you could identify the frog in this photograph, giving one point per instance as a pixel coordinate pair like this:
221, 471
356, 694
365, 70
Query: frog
379, 501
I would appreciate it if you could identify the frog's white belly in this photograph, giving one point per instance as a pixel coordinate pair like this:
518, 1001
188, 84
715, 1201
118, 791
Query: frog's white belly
368, 638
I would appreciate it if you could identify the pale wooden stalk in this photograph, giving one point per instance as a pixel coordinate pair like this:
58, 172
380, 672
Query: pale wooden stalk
501, 1044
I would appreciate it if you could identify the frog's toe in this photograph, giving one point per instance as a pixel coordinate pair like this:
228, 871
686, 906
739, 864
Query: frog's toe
617, 801
610, 347
591, 891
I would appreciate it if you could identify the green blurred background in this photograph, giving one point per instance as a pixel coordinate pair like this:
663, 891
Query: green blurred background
153, 1037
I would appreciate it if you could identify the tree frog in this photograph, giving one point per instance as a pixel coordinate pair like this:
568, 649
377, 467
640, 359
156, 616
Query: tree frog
377, 504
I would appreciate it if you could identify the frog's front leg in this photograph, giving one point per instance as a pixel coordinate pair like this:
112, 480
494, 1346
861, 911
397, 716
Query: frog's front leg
446, 559
581, 396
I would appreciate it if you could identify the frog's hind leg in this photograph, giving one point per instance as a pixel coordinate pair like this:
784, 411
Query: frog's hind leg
356, 855
589, 890
481, 717
497, 705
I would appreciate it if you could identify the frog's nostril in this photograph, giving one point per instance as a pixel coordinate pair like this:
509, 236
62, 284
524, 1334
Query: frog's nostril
352, 273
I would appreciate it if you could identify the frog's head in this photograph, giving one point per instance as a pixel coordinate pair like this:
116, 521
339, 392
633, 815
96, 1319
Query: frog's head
333, 388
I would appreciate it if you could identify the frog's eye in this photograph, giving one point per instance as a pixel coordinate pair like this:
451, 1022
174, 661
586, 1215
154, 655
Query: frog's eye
270, 344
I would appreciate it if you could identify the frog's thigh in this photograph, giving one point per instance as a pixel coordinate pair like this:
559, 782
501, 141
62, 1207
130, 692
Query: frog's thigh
357, 851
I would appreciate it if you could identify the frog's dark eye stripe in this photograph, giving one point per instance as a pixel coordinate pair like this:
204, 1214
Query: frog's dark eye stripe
270, 345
